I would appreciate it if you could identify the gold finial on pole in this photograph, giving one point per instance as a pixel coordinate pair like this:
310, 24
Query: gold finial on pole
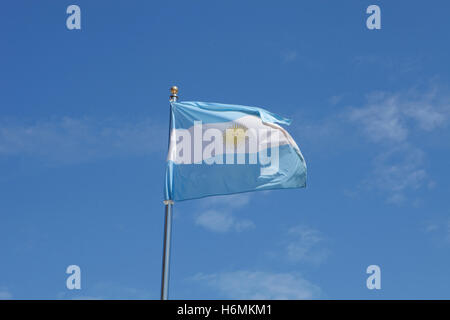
174, 93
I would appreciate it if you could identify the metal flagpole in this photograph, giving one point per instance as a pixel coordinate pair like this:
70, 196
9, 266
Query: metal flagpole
167, 229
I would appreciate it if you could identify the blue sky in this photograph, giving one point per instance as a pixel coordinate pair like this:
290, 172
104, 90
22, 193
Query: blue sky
83, 139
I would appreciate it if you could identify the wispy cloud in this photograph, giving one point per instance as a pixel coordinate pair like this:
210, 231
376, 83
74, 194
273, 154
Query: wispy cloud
391, 117
217, 215
107, 291
334, 100
72, 140
5, 294
305, 244
393, 124
231, 201
390, 121
260, 285
222, 221
289, 56
394, 65
399, 170
440, 229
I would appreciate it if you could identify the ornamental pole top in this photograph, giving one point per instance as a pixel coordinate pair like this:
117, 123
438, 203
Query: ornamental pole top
174, 93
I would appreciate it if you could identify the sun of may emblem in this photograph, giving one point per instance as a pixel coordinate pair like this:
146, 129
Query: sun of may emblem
234, 135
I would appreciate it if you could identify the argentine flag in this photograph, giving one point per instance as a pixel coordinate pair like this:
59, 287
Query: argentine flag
218, 149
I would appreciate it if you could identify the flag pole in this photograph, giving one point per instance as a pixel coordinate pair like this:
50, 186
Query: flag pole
167, 229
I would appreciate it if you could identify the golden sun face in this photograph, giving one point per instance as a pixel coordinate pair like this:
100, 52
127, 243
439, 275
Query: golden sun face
234, 135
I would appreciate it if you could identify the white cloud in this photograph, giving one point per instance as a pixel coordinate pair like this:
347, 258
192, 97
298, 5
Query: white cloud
381, 123
107, 291
431, 228
260, 285
305, 245
215, 220
391, 120
334, 100
289, 56
392, 124
393, 66
398, 170
243, 224
73, 140
5, 294
232, 201
440, 229
222, 221
217, 215
391, 117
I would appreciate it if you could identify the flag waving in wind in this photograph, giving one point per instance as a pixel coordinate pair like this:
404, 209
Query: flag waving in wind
217, 149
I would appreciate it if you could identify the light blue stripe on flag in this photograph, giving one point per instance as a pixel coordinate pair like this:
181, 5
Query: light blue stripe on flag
186, 112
